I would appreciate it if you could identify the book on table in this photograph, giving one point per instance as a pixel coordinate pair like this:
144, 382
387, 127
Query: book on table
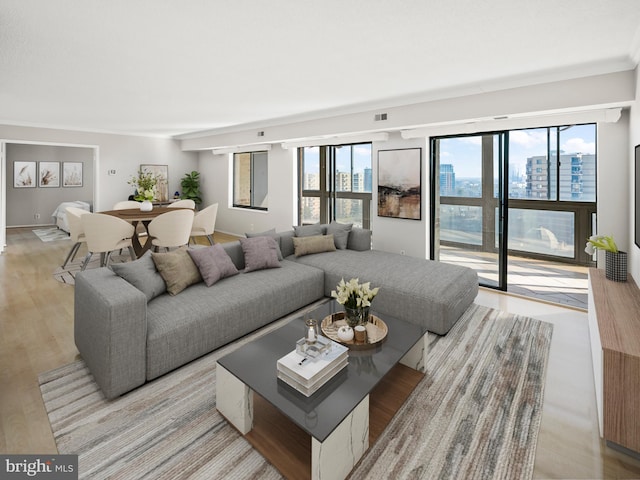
308, 375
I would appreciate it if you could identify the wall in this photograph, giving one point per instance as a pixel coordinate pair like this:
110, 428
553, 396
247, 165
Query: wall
121, 153
394, 234
215, 173
41, 201
634, 139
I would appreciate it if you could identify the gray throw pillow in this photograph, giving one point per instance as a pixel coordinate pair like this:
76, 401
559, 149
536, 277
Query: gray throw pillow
308, 230
359, 239
213, 263
340, 232
259, 253
269, 233
143, 275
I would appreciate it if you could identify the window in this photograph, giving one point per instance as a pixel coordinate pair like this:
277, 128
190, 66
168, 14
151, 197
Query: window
250, 180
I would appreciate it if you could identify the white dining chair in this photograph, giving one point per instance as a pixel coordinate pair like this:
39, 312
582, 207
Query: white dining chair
76, 232
204, 223
171, 229
187, 203
126, 204
104, 235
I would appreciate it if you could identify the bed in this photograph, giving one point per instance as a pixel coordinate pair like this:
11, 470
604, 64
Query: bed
60, 213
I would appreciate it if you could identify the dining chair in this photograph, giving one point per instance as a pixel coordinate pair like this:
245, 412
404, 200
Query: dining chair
105, 234
75, 232
204, 222
125, 204
188, 203
171, 229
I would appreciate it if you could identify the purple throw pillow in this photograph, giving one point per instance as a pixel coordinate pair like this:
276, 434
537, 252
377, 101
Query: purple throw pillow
259, 253
213, 263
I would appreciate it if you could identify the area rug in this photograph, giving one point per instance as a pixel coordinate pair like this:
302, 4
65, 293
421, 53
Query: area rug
67, 275
476, 414
51, 234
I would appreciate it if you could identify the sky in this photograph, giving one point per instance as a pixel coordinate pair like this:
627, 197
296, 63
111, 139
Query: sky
464, 153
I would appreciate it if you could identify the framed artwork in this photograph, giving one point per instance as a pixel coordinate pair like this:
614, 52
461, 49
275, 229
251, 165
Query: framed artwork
162, 172
72, 174
24, 174
48, 174
400, 183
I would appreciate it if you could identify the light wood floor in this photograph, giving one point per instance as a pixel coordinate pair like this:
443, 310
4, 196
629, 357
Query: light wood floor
36, 335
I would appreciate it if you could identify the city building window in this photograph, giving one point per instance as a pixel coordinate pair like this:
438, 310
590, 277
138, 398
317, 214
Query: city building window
250, 180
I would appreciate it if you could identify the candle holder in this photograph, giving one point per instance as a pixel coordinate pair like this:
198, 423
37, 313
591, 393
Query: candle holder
311, 331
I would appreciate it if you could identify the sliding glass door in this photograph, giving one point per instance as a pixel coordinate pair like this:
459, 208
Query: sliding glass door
469, 204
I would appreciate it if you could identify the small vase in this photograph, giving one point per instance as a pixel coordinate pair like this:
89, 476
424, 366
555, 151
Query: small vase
146, 206
353, 316
616, 266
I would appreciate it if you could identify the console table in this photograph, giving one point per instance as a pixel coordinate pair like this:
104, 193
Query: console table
614, 328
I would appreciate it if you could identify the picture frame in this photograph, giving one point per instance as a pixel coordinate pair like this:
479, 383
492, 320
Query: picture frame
400, 183
72, 174
48, 174
24, 174
162, 187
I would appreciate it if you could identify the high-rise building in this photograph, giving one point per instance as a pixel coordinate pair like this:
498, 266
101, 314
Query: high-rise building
447, 180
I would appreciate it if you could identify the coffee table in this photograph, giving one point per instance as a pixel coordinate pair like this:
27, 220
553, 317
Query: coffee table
337, 415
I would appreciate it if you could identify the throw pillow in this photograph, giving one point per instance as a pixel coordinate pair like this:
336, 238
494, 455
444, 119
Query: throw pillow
143, 275
269, 233
359, 239
177, 269
213, 263
259, 253
308, 230
340, 232
314, 244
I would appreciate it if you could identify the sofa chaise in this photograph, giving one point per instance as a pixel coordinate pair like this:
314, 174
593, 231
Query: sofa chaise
129, 330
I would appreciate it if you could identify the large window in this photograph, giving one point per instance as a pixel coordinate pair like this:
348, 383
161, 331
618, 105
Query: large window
250, 180
335, 184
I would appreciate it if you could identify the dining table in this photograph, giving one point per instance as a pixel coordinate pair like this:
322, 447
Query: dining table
136, 216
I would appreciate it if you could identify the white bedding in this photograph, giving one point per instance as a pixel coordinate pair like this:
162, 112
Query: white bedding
60, 213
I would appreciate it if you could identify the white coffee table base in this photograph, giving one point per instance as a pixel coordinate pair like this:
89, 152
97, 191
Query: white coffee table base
342, 449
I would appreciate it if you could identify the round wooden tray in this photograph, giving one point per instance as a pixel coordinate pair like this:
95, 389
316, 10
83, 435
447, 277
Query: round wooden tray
376, 331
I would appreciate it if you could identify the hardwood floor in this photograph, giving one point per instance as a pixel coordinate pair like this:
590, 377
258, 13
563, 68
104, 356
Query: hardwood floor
36, 335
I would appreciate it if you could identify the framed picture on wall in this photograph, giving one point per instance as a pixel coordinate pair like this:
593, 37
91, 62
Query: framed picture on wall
48, 174
399, 183
24, 174
72, 174
162, 172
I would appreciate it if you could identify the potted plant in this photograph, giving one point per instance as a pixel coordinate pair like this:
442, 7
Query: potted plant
615, 260
191, 187
145, 184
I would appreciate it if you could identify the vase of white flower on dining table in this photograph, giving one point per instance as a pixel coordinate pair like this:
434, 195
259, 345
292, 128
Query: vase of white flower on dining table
615, 260
356, 299
145, 184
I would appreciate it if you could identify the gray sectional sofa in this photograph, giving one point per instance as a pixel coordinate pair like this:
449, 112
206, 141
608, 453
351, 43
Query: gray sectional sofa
126, 339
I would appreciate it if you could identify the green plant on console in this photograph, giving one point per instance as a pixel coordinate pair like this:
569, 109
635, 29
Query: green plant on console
191, 187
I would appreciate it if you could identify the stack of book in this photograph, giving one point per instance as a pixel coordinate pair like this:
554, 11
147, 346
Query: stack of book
307, 374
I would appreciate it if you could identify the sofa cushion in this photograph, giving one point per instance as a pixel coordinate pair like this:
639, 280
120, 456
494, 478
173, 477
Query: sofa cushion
308, 230
268, 233
340, 232
177, 269
213, 263
315, 244
259, 253
143, 275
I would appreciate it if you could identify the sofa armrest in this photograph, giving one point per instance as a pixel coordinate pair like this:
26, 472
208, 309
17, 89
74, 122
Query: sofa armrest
110, 330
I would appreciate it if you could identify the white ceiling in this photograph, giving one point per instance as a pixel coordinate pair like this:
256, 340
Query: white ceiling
168, 67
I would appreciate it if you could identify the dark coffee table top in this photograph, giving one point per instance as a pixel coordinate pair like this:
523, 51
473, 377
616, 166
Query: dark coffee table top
255, 365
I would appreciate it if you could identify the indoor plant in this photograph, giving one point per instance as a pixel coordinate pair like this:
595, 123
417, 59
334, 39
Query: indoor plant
145, 184
615, 260
191, 187
356, 299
